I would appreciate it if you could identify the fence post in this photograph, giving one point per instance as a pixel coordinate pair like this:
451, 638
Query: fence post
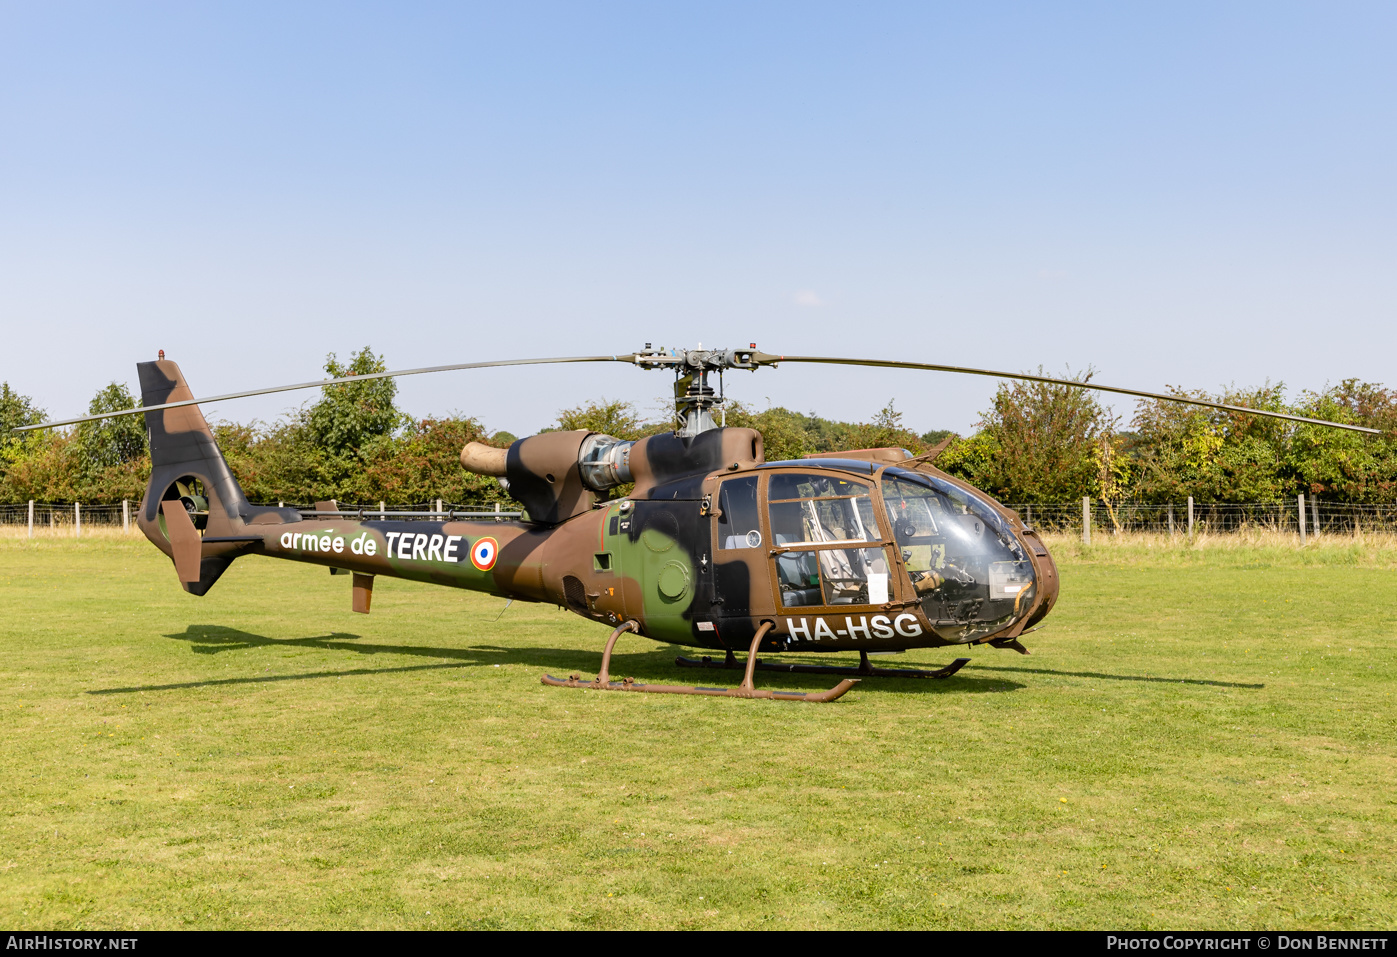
1302, 518
438, 506
77, 520
31, 518
497, 511
1190, 516
382, 513
126, 515
1086, 520
1029, 510
1314, 515
1171, 521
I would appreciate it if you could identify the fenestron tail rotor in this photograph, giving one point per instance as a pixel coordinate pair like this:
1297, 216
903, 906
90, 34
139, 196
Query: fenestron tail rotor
696, 399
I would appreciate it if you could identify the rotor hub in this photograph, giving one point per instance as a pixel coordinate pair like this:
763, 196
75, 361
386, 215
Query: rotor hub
695, 399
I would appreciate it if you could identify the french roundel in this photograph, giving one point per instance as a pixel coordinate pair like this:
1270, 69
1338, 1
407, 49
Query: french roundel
483, 553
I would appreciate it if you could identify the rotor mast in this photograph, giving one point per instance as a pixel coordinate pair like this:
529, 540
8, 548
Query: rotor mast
695, 399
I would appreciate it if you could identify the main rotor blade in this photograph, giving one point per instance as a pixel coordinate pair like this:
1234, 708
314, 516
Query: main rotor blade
325, 382
767, 358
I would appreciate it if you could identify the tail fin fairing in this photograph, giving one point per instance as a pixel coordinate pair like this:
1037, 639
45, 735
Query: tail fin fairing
188, 468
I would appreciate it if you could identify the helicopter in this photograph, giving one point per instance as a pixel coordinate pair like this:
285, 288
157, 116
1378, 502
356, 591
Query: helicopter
713, 547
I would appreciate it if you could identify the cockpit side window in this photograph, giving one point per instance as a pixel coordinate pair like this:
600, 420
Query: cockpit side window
739, 519
812, 517
820, 508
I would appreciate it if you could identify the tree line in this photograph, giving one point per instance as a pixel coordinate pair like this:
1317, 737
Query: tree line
1037, 442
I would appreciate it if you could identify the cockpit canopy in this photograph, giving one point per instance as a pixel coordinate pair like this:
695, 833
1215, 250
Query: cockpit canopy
833, 545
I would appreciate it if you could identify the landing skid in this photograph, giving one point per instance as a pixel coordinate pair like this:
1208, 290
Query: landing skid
864, 670
746, 690
630, 684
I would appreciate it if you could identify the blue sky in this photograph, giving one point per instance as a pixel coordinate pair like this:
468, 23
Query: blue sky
1187, 194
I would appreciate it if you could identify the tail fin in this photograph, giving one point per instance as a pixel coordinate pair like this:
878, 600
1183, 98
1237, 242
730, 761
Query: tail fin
192, 498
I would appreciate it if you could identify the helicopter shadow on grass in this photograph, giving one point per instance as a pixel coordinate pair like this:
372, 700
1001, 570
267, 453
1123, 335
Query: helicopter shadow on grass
1154, 679
212, 639
657, 666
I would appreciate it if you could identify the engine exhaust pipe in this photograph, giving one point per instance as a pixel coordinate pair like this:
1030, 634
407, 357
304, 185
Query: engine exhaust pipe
603, 461
484, 460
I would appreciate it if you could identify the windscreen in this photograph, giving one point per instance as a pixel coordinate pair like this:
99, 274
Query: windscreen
967, 566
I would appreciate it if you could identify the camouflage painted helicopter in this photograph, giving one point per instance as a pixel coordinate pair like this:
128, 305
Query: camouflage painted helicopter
867, 550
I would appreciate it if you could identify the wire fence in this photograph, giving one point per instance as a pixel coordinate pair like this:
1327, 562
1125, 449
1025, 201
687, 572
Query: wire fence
434, 510
1180, 518
72, 518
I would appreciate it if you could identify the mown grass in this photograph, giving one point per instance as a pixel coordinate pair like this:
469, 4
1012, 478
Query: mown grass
1203, 737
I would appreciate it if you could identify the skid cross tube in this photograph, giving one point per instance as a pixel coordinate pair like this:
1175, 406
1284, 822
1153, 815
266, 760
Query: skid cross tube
604, 678
745, 690
864, 670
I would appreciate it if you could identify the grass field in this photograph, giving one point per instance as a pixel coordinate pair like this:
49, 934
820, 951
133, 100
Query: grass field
1203, 737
